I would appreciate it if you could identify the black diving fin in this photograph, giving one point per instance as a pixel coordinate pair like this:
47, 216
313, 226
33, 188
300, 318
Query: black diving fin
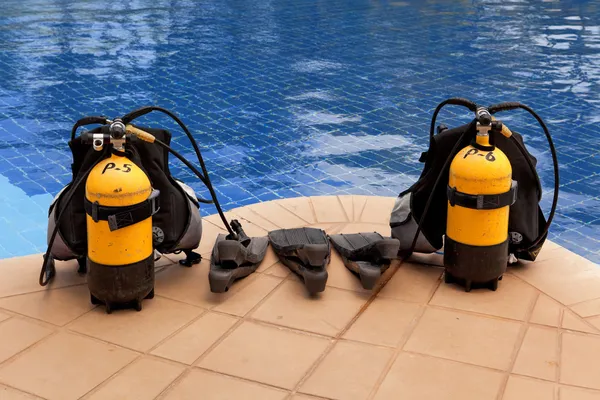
305, 251
367, 255
234, 258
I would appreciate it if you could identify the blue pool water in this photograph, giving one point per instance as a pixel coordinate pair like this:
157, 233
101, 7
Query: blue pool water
297, 97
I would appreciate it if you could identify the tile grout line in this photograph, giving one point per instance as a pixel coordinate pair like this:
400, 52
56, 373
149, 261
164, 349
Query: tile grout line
203, 312
564, 306
36, 396
317, 396
42, 290
251, 211
239, 378
97, 387
39, 320
589, 316
195, 363
184, 374
351, 217
582, 320
470, 364
290, 329
558, 353
583, 302
140, 354
215, 225
27, 349
399, 348
337, 223
559, 349
517, 347
481, 314
533, 378
266, 323
246, 317
293, 212
339, 335
362, 210
313, 210
7, 319
341, 205
211, 310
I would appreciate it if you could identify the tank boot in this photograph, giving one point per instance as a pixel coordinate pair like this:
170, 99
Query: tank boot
234, 256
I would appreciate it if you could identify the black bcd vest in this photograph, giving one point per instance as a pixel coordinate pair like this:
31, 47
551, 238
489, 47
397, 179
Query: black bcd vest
178, 220
526, 220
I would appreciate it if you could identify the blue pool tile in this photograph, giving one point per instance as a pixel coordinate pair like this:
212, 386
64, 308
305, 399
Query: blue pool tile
290, 98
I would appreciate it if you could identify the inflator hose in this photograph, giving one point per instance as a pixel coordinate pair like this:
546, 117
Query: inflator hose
457, 101
67, 200
102, 120
183, 160
514, 105
127, 118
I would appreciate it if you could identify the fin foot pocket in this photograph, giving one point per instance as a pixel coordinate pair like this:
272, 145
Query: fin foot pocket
306, 252
366, 254
369, 274
233, 259
315, 280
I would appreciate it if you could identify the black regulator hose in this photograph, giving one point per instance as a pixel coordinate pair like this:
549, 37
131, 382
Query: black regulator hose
457, 101
187, 164
512, 106
204, 177
102, 120
47, 273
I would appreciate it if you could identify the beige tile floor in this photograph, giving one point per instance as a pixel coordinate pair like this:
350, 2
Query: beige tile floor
413, 337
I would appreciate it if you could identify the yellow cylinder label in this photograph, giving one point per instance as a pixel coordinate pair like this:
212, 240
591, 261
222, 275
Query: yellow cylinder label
118, 182
476, 172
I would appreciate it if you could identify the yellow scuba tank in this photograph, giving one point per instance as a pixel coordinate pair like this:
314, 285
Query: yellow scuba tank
480, 191
119, 203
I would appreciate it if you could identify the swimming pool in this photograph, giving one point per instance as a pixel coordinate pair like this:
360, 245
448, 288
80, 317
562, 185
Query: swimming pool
297, 97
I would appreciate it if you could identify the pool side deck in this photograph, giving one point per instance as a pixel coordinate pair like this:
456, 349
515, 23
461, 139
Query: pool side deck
414, 337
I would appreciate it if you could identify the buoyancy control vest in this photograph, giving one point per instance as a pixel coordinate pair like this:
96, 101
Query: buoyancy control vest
418, 218
177, 225
175, 209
